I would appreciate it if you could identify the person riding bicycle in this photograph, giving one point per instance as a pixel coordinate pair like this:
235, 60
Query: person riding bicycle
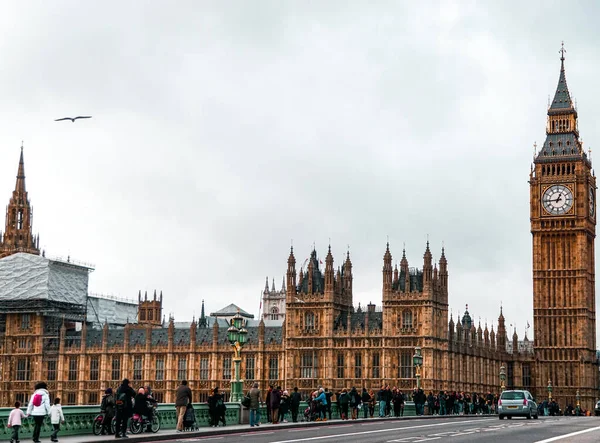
140, 405
152, 405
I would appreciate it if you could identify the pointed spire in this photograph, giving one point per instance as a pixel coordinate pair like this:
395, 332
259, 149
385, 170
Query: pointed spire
20, 185
562, 99
202, 320
267, 284
273, 287
283, 284
329, 258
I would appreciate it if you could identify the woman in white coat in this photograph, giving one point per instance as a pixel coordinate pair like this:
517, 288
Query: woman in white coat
38, 408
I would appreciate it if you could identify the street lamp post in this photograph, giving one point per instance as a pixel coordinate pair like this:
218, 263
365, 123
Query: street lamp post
417, 363
502, 377
236, 334
549, 391
578, 397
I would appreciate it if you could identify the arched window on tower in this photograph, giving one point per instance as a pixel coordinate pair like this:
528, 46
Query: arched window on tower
274, 313
20, 219
309, 320
407, 319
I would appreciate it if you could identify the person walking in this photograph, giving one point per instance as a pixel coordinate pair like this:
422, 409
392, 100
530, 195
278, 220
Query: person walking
107, 407
295, 404
268, 404
275, 399
124, 408
354, 402
216, 408
38, 408
14, 421
183, 397
56, 418
254, 395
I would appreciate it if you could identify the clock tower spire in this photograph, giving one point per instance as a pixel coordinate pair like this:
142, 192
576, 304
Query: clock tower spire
563, 227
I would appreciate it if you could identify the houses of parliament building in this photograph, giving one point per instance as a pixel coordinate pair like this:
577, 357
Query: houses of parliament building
48, 332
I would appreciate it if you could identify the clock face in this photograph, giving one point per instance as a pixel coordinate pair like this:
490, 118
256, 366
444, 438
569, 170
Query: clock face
592, 202
557, 199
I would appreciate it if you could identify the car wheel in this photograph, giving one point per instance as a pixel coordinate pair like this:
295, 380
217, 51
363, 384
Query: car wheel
536, 416
509, 417
529, 416
501, 417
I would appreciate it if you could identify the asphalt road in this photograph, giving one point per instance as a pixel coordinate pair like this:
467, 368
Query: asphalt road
468, 429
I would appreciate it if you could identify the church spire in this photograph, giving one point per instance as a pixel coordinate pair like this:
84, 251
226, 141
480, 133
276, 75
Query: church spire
18, 236
20, 185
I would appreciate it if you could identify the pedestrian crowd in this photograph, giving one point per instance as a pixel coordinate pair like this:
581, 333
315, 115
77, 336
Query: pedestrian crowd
121, 406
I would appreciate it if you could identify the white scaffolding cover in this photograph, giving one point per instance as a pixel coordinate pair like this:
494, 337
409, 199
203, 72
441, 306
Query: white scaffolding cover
32, 277
110, 310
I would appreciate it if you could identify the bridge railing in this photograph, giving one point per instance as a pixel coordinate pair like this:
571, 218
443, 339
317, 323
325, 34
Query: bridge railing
79, 420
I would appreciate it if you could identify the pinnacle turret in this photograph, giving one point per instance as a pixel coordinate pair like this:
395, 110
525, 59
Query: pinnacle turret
18, 236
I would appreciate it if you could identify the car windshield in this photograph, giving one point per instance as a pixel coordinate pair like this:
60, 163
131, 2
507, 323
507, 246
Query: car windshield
512, 396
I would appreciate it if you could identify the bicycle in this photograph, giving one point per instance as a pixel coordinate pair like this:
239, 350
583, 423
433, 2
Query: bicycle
97, 425
139, 422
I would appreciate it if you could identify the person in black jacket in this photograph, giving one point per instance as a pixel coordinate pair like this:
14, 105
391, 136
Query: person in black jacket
216, 408
295, 404
107, 406
328, 395
124, 408
366, 398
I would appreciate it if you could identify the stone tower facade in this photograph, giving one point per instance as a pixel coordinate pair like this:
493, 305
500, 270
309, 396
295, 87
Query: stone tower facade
18, 235
273, 302
563, 226
150, 311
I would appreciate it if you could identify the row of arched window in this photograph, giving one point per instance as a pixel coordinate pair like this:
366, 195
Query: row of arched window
561, 169
563, 124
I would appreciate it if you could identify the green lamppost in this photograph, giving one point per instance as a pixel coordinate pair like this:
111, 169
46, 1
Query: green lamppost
236, 334
417, 363
502, 377
549, 391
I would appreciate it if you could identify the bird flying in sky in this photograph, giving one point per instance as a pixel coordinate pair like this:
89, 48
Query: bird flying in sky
72, 118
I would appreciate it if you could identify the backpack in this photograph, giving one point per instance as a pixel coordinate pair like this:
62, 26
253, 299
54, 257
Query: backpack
37, 400
121, 399
246, 401
352, 400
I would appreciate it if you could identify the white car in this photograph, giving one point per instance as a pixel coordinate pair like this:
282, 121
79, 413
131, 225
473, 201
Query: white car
517, 403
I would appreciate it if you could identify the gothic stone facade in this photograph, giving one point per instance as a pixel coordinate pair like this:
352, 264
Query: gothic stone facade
324, 340
563, 226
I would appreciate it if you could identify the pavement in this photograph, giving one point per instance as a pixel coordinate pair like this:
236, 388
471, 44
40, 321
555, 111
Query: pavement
388, 430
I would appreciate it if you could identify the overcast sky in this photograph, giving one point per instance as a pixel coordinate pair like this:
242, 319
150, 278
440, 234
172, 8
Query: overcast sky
223, 130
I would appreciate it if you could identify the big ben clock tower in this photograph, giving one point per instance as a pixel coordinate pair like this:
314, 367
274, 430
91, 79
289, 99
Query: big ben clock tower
563, 226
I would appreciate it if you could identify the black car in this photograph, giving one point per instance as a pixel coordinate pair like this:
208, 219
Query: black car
597, 409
